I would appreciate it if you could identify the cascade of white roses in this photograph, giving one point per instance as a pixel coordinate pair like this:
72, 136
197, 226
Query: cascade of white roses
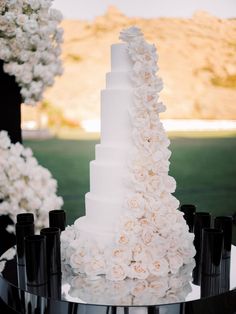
30, 42
153, 238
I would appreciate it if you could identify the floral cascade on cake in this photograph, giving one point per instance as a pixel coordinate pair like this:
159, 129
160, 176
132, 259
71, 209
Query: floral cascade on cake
132, 228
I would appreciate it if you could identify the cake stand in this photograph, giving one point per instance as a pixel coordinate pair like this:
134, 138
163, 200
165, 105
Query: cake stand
68, 294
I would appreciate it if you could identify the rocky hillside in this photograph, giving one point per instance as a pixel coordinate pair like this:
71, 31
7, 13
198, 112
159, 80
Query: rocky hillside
197, 59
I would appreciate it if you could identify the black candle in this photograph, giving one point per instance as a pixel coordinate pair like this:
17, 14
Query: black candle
201, 220
35, 260
189, 211
225, 275
23, 229
25, 217
225, 223
210, 285
53, 249
57, 218
212, 247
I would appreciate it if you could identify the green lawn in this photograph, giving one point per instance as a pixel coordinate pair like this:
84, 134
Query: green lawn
204, 166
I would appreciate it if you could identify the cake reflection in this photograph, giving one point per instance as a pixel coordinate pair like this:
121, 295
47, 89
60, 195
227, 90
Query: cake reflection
99, 290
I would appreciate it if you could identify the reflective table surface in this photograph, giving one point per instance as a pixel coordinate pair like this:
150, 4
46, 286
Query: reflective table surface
72, 294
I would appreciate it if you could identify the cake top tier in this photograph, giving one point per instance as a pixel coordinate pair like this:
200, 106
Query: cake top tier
120, 59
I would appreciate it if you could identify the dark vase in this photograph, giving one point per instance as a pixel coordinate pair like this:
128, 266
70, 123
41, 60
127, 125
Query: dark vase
10, 121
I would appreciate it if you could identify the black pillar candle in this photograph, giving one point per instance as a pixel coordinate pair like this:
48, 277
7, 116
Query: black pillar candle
212, 246
35, 260
201, 220
23, 229
225, 223
54, 286
53, 250
25, 217
57, 218
210, 285
225, 275
189, 211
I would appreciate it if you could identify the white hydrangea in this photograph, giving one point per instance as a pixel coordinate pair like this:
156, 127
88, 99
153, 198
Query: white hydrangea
25, 186
30, 36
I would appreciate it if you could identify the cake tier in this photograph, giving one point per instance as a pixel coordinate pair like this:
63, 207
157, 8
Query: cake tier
90, 232
115, 121
108, 153
118, 80
103, 212
107, 179
120, 59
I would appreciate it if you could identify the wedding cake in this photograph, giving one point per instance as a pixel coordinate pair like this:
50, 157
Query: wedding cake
132, 227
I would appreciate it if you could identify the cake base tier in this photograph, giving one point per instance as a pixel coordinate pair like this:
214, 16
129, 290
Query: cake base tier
90, 232
103, 212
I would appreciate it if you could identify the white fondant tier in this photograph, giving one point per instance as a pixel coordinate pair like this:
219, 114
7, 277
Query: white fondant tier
120, 59
118, 80
108, 153
103, 212
115, 121
107, 179
89, 231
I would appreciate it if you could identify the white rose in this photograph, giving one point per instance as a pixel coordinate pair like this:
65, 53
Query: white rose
55, 15
169, 183
138, 270
139, 288
120, 253
130, 33
35, 4
123, 238
5, 54
95, 266
22, 19
4, 140
59, 39
27, 78
36, 87
155, 184
159, 267
136, 204
3, 4
148, 236
30, 26
159, 287
45, 4
116, 272
175, 262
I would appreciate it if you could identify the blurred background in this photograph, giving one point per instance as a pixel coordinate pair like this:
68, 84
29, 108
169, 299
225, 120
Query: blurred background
196, 42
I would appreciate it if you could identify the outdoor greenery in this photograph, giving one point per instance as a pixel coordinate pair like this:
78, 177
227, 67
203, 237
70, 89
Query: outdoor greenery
204, 166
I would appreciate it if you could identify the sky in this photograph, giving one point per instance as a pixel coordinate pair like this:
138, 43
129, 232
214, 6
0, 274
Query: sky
89, 9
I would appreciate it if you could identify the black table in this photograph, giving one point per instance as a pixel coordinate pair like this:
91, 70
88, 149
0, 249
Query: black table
76, 295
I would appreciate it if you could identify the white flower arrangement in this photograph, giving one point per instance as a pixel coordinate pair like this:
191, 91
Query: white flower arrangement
25, 186
152, 237
30, 40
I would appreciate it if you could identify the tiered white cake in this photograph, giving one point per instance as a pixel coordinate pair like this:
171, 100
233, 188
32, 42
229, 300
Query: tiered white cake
104, 202
132, 228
